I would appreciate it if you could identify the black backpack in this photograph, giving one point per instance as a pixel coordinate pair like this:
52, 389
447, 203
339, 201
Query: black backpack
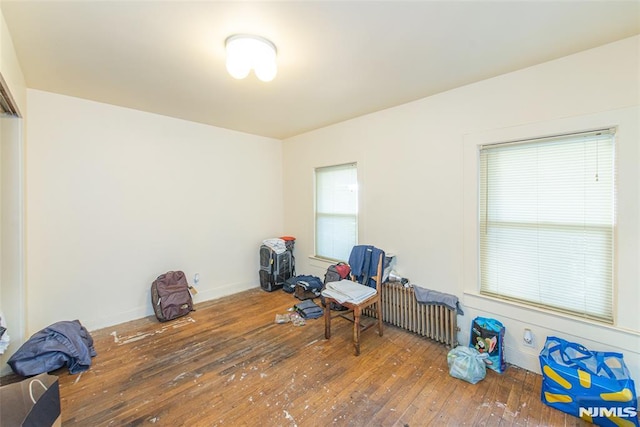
170, 296
275, 268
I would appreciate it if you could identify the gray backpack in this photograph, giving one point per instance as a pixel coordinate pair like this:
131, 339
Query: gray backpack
170, 296
335, 273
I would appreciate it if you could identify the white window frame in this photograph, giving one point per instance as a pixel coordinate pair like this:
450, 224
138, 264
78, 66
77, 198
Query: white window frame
336, 216
551, 291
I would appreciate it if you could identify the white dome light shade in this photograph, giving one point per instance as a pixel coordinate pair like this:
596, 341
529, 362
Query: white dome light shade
238, 65
246, 52
266, 71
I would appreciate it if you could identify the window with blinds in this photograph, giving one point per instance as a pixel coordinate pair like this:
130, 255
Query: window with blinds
336, 211
547, 214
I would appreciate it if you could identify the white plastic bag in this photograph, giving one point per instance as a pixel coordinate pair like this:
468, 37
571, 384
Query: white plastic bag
467, 363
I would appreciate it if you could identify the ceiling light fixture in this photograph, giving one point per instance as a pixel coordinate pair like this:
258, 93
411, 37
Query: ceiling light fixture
247, 52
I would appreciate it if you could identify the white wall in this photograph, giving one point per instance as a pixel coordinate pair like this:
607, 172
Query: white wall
418, 188
12, 283
116, 197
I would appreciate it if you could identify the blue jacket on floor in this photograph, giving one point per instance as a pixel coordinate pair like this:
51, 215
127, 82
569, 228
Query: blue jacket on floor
63, 343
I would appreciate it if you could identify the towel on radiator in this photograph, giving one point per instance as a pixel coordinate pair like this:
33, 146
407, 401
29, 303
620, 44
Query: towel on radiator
427, 296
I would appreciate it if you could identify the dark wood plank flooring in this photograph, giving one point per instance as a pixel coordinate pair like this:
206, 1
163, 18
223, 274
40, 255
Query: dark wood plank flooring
229, 363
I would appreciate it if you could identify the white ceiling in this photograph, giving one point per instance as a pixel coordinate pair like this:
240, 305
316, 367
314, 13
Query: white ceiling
337, 59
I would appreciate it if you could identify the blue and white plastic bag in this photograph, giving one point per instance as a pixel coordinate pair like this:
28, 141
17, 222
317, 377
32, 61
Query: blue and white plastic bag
593, 385
487, 336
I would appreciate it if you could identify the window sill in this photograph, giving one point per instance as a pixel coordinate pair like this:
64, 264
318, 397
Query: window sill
536, 315
319, 261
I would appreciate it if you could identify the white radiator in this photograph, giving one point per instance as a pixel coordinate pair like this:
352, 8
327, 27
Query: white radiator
400, 308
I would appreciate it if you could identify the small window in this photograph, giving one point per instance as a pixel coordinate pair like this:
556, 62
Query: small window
336, 211
546, 222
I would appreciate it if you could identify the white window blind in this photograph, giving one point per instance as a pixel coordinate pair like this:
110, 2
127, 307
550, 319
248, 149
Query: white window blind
336, 211
546, 222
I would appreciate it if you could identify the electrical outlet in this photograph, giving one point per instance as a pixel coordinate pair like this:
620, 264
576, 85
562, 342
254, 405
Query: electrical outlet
196, 278
528, 338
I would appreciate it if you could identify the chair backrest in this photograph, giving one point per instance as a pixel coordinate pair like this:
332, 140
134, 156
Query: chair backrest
366, 264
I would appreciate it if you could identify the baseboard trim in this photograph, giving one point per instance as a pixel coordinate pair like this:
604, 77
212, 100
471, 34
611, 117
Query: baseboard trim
146, 310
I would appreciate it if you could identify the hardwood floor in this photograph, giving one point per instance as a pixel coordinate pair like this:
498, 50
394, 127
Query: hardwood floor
229, 363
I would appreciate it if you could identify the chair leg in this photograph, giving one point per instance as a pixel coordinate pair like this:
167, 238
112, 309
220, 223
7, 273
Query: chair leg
356, 331
379, 311
327, 321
